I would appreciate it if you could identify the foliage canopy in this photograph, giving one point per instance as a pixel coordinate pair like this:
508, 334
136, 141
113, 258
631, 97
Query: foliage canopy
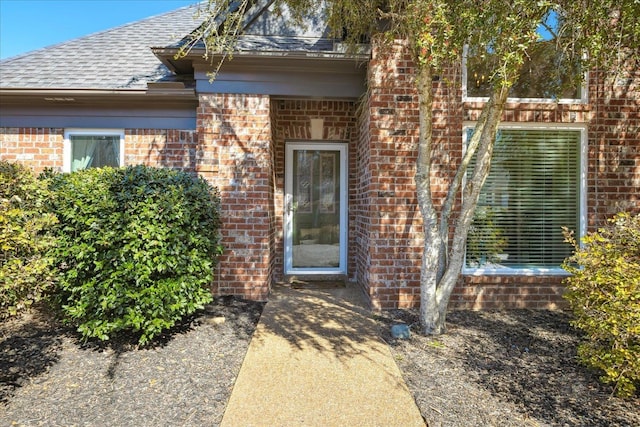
25, 273
604, 294
136, 248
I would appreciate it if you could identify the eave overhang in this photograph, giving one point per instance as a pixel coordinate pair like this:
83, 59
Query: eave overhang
157, 93
185, 65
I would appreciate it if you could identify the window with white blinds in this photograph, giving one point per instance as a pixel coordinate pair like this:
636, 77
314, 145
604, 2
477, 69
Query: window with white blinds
532, 191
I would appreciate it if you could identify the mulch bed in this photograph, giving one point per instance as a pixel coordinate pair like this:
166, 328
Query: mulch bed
504, 368
48, 376
510, 368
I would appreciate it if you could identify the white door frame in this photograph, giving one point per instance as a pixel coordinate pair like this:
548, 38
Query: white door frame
342, 148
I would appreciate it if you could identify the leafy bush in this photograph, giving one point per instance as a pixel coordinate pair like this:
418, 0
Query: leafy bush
604, 294
485, 241
136, 248
25, 273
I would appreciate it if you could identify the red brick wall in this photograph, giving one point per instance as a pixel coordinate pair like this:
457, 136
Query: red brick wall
176, 149
614, 145
612, 116
38, 148
361, 207
390, 223
235, 133
487, 292
276, 203
42, 148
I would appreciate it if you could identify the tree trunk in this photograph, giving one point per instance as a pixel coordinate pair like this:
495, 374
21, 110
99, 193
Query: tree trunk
436, 288
432, 243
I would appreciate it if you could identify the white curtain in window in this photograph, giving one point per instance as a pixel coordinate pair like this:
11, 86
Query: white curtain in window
115, 151
94, 151
532, 191
83, 148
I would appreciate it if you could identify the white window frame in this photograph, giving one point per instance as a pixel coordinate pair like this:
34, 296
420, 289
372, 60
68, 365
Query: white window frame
584, 96
582, 214
67, 151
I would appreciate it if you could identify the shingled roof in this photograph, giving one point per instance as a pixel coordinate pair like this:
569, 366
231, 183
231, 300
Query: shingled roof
119, 58
269, 31
122, 58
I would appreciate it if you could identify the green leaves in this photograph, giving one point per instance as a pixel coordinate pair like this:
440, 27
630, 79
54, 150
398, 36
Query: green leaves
25, 273
604, 294
136, 250
603, 34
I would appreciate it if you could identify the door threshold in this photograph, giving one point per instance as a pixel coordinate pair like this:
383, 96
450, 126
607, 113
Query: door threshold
316, 281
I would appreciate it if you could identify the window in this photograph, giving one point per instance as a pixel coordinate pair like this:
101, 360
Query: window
93, 149
533, 190
546, 75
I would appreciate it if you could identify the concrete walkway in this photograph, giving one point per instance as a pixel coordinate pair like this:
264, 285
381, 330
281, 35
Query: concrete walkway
316, 360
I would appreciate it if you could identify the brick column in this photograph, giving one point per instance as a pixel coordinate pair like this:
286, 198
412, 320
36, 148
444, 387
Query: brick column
235, 131
390, 227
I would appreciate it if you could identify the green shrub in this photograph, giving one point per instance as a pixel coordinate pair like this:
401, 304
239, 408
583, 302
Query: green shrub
25, 273
486, 240
136, 248
604, 294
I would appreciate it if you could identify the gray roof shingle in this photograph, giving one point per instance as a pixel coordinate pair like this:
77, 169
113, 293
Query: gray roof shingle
277, 32
121, 58
118, 58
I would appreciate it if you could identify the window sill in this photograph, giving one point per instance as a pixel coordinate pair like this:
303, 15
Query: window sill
545, 101
505, 271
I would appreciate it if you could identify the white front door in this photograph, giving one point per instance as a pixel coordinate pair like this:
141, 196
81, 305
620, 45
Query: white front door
315, 208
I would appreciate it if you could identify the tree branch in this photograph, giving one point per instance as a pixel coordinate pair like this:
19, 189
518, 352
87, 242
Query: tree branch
471, 193
449, 202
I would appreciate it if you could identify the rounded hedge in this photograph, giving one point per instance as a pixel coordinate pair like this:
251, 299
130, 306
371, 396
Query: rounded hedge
604, 294
136, 248
25, 273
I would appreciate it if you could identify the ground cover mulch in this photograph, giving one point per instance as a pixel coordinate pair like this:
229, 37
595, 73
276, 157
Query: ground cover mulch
503, 368
50, 377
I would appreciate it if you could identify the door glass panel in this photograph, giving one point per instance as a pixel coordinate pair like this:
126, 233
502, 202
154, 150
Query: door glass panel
316, 209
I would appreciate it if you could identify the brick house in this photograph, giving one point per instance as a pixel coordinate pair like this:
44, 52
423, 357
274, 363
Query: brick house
313, 150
